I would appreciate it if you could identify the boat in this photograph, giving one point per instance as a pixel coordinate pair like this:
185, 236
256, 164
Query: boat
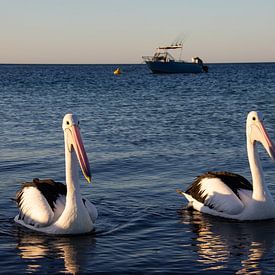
163, 62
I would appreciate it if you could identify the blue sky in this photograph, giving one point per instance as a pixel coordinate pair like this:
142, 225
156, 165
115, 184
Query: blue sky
121, 31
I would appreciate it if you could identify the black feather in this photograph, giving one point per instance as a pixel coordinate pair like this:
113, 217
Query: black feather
49, 188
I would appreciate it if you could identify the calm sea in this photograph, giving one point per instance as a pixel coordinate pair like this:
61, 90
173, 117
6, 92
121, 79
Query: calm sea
145, 135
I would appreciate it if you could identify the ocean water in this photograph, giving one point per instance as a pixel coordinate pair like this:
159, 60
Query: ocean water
145, 135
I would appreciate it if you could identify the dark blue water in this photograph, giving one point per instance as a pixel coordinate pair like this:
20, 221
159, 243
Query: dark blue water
146, 135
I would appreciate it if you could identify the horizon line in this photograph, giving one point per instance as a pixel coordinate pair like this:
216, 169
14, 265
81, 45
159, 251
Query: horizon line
143, 63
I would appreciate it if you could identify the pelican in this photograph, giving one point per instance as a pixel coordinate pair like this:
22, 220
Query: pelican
54, 208
230, 195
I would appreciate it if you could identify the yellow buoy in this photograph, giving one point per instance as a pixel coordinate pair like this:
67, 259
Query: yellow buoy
117, 71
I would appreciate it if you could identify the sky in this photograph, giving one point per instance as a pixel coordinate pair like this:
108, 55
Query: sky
121, 31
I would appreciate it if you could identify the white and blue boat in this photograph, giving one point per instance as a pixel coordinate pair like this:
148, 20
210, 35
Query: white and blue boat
163, 62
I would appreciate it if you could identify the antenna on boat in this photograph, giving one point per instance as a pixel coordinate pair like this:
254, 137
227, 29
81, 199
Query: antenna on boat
181, 52
179, 42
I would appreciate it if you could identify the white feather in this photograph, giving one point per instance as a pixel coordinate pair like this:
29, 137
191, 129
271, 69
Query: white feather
34, 208
36, 211
91, 209
59, 206
218, 195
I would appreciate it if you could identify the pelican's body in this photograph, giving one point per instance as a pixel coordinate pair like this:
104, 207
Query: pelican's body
53, 208
230, 195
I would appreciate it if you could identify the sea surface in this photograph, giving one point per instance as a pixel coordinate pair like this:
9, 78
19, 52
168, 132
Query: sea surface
146, 135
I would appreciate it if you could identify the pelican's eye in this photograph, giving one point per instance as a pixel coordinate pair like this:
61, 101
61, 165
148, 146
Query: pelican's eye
68, 122
254, 118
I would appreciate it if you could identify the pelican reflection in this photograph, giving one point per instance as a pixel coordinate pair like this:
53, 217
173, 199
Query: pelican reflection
45, 253
222, 243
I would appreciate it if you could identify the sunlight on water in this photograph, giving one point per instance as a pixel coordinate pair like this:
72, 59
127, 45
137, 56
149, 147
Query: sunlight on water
70, 251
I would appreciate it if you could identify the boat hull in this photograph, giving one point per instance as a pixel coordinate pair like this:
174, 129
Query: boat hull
174, 67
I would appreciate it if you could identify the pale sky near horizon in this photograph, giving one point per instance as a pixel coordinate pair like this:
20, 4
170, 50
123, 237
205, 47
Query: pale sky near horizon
121, 31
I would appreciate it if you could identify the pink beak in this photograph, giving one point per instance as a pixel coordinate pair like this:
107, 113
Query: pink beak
80, 152
266, 141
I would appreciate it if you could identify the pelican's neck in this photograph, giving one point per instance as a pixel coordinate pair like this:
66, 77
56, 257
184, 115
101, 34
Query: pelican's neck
74, 219
72, 178
259, 188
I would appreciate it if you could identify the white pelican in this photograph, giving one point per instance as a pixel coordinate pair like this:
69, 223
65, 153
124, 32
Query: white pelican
52, 207
230, 195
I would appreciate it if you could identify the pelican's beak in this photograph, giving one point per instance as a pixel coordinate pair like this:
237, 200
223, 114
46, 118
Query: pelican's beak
264, 138
76, 142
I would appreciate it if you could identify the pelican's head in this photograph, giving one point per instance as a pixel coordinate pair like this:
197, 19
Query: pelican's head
73, 141
256, 131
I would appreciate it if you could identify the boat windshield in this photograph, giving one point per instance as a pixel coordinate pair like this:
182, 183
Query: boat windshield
163, 57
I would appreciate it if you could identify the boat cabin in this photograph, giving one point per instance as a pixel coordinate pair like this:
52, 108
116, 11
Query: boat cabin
162, 54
